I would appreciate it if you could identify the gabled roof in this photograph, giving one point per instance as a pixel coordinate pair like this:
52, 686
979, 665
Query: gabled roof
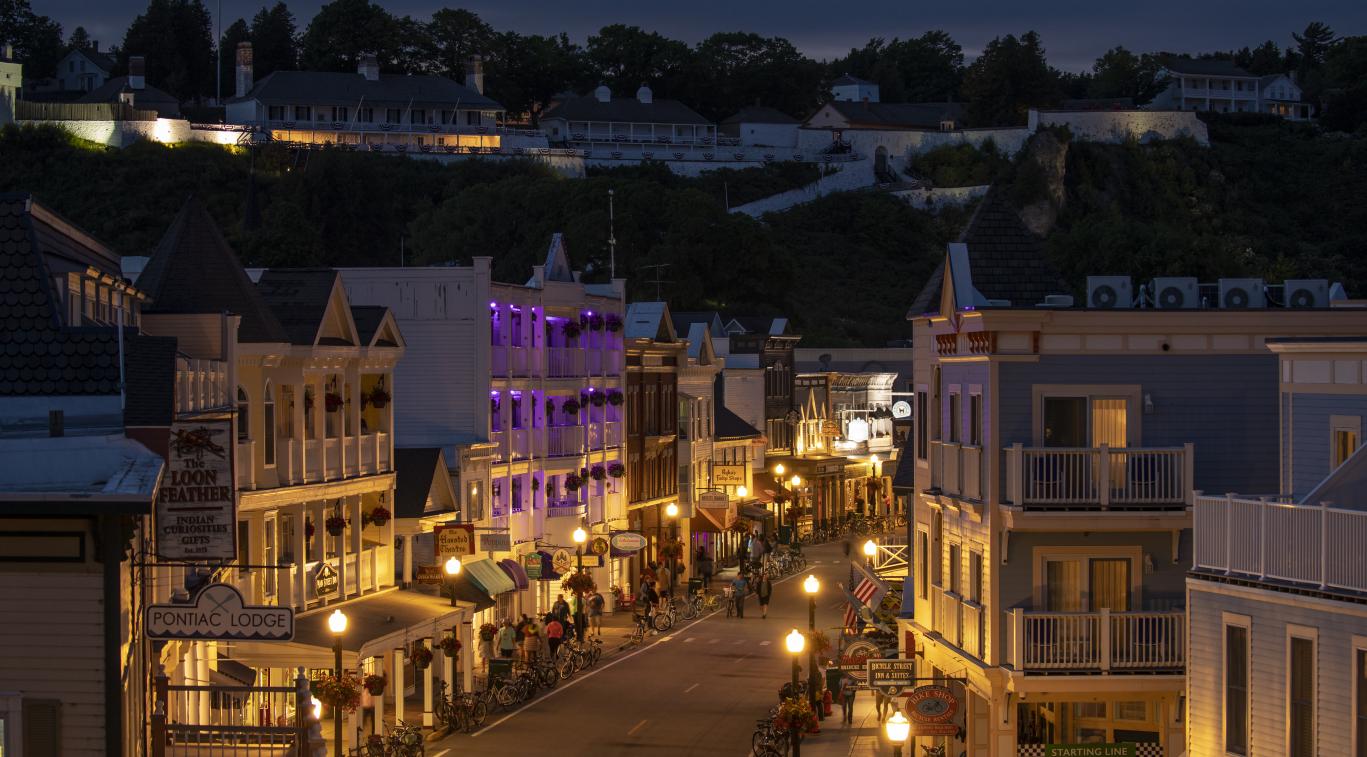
193, 270
872, 115
416, 471
148, 98
728, 425
375, 326
303, 299
759, 114
683, 320
558, 260
649, 320
846, 80
700, 348
1345, 487
751, 324
624, 109
1006, 260
1204, 67
102, 61
349, 89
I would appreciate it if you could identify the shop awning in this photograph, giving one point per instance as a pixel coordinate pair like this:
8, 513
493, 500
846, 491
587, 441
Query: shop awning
286, 654
488, 576
772, 495
705, 522
515, 572
754, 512
371, 618
467, 591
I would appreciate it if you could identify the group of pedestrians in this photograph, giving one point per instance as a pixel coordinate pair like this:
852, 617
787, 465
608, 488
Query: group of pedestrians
531, 636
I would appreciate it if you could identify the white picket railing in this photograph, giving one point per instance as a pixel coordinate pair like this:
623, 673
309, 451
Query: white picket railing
564, 441
564, 362
958, 469
1312, 545
1097, 641
1106, 477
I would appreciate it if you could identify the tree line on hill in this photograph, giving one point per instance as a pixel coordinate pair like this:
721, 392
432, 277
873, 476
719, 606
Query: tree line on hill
717, 76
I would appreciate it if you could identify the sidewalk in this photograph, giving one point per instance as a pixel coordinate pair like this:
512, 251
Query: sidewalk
862, 738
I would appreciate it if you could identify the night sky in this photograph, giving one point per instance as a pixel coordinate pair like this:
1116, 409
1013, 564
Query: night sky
1074, 33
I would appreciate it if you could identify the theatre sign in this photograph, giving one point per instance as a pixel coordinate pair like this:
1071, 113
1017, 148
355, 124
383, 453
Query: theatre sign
218, 612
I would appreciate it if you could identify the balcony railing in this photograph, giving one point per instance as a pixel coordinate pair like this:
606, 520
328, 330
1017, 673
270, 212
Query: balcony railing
564, 362
565, 508
1116, 478
200, 384
1319, 547
508, 361
958, 469
564, 441
1101, 641
246, 470
500, 444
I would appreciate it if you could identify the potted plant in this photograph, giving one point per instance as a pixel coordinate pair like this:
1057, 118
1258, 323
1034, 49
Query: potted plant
599, 399
584, 399
598, 473
449, 645
378, 396
596, 322
335, 524
380, 515
487, 631
374, 684
795, 714
420, 655
536, 484
570, 407
308, 398
613, 322
820, 642
616, 470
615, 398
341, 692
579, 583
332, 401
672, 549
573, 482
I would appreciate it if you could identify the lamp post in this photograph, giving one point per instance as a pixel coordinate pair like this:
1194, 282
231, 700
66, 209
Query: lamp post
794, 483
778, 483
580, 536
452, 570
897, 729
672, 512
795, 642
337, 624
812, 586
870, 551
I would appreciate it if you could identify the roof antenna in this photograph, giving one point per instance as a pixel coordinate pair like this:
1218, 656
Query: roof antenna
612, 241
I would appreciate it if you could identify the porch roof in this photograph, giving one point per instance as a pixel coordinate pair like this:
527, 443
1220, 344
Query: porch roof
369, 619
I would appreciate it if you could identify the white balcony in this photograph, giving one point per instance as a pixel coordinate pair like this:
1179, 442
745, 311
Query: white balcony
1108, 478
1097, 642
499, 440
1315, 547
246, 469
509, 361
604, 362
564, 441
613, 430
564, 362
958, 469
201, 384
604, 435
566, 508
519, 443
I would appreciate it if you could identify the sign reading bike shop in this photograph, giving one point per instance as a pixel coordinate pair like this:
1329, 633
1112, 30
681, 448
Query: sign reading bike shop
932, 710
218, 612
196, 516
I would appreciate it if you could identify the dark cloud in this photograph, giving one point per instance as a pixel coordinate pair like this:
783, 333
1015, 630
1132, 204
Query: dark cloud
1075, 33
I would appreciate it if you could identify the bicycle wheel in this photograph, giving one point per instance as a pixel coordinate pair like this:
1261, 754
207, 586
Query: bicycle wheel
506, 695
690, 610
565, 667
663, 622
479, 712
548, 675
595, 653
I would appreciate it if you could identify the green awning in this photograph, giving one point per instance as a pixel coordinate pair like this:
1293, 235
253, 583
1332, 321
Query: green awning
467, 591
488, 576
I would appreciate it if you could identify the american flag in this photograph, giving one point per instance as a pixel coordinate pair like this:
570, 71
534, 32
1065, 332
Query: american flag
867, 593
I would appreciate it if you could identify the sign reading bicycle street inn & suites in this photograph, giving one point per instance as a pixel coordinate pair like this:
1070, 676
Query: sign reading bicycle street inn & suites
196, 510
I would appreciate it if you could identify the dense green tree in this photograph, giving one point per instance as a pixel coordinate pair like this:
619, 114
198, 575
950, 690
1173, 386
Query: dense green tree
627, 57
733, 69
1265, 60
37, 39
79, 39
275, 46
457, 35
1121, 73
1312, 46
1345, 77
525, 73
175, 37
1009, 78
927, 68
343, 30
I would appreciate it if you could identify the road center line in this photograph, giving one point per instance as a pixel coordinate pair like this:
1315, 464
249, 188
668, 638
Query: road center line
441, 753
764, 643
690, 688
689, 639
636, 728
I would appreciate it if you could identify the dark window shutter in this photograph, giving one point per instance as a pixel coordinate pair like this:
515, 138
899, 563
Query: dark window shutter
41, 727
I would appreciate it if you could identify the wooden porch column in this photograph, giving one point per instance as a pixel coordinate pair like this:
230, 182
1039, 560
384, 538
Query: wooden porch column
356, 540
351, 448
382, 665
299, 550
467, 659
426, 689
448, 666
397, 684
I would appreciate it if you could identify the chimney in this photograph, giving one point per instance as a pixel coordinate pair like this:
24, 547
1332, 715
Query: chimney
645, 95
369, 67
474, 74
244, 68
602, 94
94, 45
137, 72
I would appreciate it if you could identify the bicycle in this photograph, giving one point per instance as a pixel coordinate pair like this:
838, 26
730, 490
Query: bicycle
709, 603
692, 607
400, 740
638, 634
664, 616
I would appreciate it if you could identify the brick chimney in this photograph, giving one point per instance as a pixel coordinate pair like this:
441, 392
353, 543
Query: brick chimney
137, 72
369, 67
244, 69
474, 74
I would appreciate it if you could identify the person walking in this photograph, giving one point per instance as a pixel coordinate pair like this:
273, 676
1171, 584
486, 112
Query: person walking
577, 615
561, 609
882, 702
739, 586
848, 689
704, 565
764, 590
596, 603
531, 640
507, 640
555, 633
664, 581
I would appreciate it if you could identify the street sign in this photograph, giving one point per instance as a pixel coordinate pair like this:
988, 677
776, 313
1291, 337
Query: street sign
891, 675
429, 574
729, 474
324, 581
196, 515
457, 540
495, 542
1121, 749
532, 564
901, 409
218, 612
932, 710
562, 561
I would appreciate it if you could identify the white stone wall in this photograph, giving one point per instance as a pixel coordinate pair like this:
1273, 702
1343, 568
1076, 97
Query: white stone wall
936, 199
846, 177
1119, 126
769, 135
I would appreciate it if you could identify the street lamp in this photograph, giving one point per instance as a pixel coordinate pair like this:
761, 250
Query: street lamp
795, 642
742, 491
580, 536
337, 625
812, 586
898, 729
672, 512
778, 483
452, 570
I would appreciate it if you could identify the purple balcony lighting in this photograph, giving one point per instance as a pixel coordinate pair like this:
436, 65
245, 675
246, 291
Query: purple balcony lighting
493, 394
493, 304
590, 313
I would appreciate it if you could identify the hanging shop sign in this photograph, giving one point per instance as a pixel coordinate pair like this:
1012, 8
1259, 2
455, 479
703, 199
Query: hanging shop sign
325, 581
891, 676
729, 474
562, 561
495, 543
532, 564
901, 409
628, 541
599, 546
1121, 749
196, 517
455, 541
218, 612
429, 574
932, 710
854, 657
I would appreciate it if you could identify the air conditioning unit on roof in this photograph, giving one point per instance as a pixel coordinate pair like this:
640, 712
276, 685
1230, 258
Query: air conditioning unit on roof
1300, 293
1175, 293
1242, 293
1109, 292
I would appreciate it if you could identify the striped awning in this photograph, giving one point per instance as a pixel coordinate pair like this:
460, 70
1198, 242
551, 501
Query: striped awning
515, 571
488, 576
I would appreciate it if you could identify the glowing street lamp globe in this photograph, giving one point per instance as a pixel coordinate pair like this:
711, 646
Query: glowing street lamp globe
796, 481
580, 535
742, 491
672, 510
453, 566
778, 469
898, 727
795, 641
811, 585
337, 622
870, 549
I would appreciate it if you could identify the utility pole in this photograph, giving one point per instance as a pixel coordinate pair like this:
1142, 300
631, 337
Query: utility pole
612, 240
218, 67
659, 270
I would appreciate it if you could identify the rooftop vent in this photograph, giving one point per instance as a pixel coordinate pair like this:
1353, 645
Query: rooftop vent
1175, 293
644, 95
1238, 294
1306, 293
1109, 292
1056, 301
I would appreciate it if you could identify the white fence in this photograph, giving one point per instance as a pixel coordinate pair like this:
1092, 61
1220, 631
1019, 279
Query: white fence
1109, 477
1097, 641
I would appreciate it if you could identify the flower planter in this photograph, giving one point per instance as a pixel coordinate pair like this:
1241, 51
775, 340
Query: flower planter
332, 401
420, 655
374, 685
336, 525
380, 516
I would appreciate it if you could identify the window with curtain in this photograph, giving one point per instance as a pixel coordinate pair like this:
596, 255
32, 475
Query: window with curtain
244, 429
1236, 690
1063, 585
1110, 584
1108, 421
1302, 700
268, 424
1345, 444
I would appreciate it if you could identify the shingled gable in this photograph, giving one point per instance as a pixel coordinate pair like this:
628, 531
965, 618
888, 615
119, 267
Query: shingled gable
312, 305
193, 270
1007, 261
649, 320
376, 327
558, 261
419, 474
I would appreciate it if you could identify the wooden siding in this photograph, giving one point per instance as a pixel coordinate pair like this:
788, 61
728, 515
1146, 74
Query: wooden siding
1336, 624
1306, 420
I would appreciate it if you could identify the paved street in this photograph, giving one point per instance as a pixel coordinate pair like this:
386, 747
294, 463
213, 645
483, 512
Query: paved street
696, 690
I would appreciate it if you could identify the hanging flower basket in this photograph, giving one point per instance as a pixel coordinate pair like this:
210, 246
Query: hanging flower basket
420, 655
335, 524
550, 407
449, 645
670, 550
573, 482
598, 473
571, 329
599, 399
613, 322
380, 516
374, 684
596, 322
796, 714
342, 692
616, 470
536, 484
332, 401
308, 399
585, 398
379, 397
615, 398
820, 642
579, 583
570, 407
487, 631
308, 529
